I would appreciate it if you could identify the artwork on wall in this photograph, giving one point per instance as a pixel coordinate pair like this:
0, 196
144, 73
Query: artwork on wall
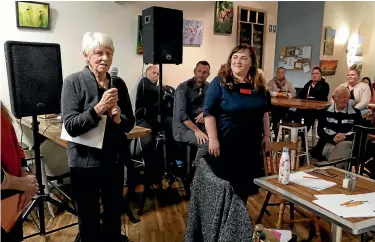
139, 36
223, 21
329, 41
193, 32
328, 67
34, 15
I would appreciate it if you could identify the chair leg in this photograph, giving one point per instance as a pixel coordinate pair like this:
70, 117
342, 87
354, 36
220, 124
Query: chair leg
264, 208
279, 134
291, 207
307, 147
281, 216
188, 171
317, 226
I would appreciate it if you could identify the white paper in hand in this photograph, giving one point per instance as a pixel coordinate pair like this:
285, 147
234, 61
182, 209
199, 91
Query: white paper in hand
93, 138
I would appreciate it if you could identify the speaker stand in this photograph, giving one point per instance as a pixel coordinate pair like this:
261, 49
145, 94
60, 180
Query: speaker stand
161, 136
41, 197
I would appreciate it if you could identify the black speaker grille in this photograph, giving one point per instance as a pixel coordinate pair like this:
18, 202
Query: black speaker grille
35, 78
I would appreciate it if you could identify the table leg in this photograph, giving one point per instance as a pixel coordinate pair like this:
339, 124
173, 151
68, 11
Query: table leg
336, 233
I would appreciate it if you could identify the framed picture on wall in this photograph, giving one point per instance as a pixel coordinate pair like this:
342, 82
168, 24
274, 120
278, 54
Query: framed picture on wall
329, 41
223, 21
139, 36
33, 15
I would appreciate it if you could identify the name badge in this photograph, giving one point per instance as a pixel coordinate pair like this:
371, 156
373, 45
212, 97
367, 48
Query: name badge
245, 91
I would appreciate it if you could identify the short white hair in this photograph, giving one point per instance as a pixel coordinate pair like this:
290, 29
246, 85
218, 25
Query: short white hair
92, 40
341, 89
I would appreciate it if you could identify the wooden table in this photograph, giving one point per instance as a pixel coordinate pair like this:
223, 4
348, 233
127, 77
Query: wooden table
303, 196
299, 103
52, 130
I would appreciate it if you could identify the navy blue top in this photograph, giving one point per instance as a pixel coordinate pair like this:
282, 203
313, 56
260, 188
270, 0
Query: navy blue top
239, 116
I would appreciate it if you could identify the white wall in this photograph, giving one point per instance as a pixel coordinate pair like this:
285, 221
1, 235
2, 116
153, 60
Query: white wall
350, 19
70, 20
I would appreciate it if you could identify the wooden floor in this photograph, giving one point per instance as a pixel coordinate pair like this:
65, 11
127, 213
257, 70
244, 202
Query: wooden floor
164, 220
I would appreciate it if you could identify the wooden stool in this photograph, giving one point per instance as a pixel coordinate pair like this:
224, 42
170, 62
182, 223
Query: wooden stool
293, 129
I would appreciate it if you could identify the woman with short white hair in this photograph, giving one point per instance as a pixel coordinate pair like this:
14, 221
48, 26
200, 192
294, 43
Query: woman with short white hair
95, 174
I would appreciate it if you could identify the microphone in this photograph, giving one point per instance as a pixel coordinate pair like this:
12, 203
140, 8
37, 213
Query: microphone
113, 73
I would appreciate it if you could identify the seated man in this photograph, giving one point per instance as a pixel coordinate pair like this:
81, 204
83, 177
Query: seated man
188, 121
335, 128
279, 86
146, 114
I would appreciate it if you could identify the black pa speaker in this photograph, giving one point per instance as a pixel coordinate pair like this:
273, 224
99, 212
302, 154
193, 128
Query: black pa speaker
162, 35
34, 77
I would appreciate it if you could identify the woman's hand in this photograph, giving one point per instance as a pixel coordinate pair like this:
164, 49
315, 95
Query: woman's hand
108, 101
267, 143
214, 148
114, 114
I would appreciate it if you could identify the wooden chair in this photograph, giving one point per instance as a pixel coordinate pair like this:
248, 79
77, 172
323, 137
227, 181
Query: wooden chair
271, 167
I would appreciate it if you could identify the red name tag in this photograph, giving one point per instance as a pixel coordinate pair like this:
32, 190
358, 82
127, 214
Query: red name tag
245, 91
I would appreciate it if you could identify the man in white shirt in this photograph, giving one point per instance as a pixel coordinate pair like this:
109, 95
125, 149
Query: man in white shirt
279, 86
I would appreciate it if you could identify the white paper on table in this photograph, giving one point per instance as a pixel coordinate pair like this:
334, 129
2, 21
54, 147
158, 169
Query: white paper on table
93, 138
315, 184
298, 65
306, 67
332, 202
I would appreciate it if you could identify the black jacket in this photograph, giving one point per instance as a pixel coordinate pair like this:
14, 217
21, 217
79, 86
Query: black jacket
79, 96
319, 92
146, 101
216, 213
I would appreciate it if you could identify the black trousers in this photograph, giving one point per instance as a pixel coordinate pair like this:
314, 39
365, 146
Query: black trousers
153, 153
277, 113
15, 235
88, 186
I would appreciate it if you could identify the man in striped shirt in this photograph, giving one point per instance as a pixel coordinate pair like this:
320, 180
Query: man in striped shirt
335, 128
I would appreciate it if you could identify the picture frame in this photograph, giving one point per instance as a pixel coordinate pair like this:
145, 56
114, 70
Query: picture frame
139, 50
223, 19
329, 41
33, 15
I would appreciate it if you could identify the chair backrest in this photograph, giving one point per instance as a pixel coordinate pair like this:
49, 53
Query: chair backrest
359, 148
271, 159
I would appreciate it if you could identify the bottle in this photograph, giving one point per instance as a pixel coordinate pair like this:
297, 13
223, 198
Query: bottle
284, 166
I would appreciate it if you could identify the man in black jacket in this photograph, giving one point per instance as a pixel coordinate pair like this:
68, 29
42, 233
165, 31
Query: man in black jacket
146, 114
335, 128
315, 89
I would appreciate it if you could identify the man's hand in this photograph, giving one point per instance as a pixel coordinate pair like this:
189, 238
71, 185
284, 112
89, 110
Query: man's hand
339, 138
201, 137
199, 118
114, 113
282, 94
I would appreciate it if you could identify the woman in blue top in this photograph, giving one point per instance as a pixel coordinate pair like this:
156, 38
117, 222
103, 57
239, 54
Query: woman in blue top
237, 120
